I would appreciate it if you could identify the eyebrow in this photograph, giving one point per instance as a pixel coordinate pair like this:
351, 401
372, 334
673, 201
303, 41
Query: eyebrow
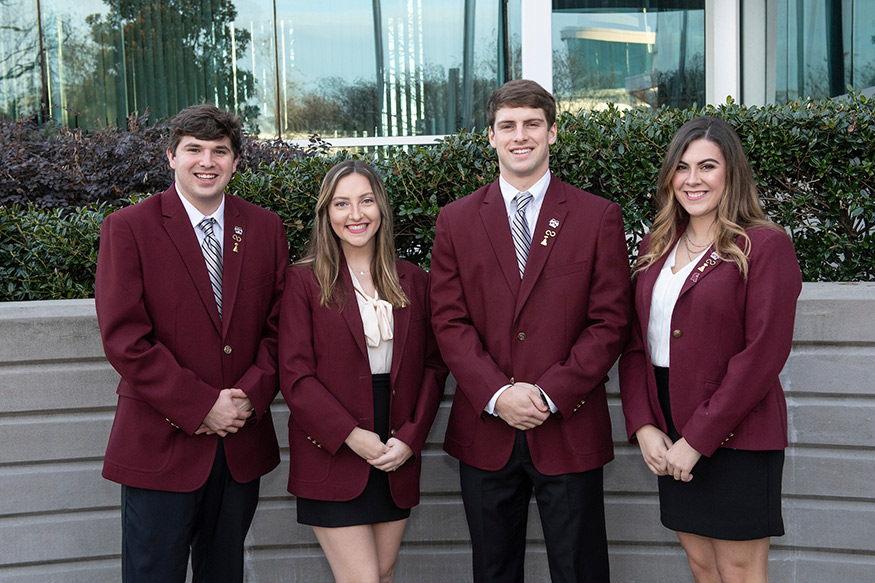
682, 161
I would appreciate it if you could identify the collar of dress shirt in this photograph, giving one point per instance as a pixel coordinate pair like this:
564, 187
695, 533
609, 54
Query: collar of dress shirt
538, 191
195, 216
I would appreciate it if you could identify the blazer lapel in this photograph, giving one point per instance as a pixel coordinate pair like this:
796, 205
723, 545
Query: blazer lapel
233, 250
350, 312
647, 280
548, 227
493, 213
401, 318
706, 265
178, 227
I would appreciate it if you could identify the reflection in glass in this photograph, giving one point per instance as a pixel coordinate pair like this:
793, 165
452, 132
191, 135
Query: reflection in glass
633, 53
334, 67
387, 67
129, 55
20, 86
823, 48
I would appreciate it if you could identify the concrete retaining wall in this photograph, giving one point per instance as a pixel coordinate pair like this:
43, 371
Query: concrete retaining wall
59, 520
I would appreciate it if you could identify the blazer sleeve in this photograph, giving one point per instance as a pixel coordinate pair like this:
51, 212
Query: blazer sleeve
595, 351
314, 408
476, 373
148, 366
633, 372
434, 376
261, 381
773, 286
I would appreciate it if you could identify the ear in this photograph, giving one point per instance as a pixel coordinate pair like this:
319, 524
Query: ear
171, 159
491, 137
552, 134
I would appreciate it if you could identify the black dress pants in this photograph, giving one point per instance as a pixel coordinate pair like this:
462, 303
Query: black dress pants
572, 511
160, 529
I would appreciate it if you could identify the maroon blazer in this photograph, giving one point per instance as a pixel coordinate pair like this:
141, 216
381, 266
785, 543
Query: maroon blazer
325, 378
561, 327
730, 340
161, 331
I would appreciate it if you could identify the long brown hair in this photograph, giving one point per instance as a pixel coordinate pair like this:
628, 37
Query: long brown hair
324, 251
739, 207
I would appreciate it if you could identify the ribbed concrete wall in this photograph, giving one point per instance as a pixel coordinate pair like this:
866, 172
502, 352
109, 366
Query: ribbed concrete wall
59, 520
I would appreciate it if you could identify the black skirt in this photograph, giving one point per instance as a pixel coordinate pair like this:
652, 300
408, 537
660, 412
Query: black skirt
375, 503
734, 494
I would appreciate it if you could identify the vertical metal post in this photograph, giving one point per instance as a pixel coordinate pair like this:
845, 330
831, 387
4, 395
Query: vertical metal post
378, 53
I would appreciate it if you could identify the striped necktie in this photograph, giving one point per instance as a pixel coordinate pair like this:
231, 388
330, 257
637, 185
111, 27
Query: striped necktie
213, 257
522, 238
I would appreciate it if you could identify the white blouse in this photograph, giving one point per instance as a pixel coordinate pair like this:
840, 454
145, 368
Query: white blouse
379, 326
665, 294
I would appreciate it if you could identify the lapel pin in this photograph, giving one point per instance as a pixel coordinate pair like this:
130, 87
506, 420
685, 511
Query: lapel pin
238, 230
237, 237
695, 277
554, 223
548, 233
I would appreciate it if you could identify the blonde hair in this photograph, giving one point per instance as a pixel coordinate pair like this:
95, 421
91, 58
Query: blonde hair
324, 251
739, 207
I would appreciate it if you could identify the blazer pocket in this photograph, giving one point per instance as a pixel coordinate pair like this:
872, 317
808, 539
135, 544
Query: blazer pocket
139, 439
309, 462
258, 280
564, 269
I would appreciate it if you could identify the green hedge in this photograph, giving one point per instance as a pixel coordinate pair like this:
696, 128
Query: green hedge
814, 162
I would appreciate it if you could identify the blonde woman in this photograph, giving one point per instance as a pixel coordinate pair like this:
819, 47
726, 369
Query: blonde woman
361, 374
715, 297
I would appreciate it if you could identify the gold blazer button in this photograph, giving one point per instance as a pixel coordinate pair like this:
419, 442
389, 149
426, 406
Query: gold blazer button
521, 336
227, 349
676, 333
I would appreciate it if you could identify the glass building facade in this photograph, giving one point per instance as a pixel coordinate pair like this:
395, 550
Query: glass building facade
388, 70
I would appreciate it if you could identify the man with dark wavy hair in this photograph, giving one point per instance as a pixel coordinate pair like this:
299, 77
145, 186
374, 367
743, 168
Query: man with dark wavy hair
187, 295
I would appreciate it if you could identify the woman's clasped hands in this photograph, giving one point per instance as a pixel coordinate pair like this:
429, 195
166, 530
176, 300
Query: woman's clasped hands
386, 457
665, 458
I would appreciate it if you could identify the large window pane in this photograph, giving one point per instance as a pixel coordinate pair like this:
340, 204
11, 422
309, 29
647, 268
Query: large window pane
823, 48
19, 58
130, 55
628, 53
386, 67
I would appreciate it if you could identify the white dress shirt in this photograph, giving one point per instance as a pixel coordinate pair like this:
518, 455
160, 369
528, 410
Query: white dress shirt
195, 216
665, 294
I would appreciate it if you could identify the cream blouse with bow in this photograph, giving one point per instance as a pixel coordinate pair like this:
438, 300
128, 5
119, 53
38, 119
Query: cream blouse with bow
379, 327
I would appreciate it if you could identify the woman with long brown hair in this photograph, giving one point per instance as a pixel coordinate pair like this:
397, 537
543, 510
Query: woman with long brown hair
716, 285
361, 374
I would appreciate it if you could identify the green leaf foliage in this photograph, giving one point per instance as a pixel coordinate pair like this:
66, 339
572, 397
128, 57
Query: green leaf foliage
814, 162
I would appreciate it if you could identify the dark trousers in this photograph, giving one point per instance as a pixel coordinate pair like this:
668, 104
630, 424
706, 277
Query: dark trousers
160, 528
572, 513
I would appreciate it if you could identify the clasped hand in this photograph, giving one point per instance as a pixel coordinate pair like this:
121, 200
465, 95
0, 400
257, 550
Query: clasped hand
522, 407
228, 415
386, 457
665, 458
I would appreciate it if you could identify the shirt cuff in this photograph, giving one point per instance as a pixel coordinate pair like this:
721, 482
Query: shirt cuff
490, 406
548, 401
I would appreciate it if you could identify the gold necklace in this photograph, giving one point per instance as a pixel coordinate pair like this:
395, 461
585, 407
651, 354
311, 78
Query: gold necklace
692, 252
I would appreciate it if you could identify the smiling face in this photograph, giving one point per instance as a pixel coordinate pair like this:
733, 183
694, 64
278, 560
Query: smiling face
522, 139
354, 213
202, 170
699, 180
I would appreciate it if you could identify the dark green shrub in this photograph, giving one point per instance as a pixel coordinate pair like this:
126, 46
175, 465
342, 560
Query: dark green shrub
49, 254
814, 162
